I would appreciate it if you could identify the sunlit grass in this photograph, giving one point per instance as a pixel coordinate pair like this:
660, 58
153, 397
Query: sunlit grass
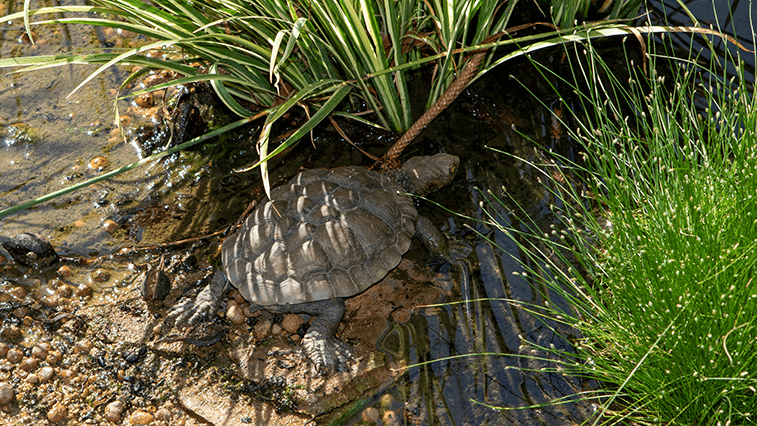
663, 228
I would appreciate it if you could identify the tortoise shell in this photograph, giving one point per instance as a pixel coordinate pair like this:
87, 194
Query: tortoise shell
325, 234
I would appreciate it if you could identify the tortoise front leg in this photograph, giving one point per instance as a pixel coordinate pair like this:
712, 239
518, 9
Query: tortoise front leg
319, 344
191, 312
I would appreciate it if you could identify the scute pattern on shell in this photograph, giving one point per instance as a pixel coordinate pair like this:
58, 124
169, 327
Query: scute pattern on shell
325, 234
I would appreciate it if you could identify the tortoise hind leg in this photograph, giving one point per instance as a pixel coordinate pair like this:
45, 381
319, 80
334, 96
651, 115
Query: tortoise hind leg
319, 344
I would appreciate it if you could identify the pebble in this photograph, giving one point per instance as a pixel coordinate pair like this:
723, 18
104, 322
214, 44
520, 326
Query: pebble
40, 351
53, 357
83, 346
100, 275
10, 333
32, 379
164, 415
98, 163
6, 393
3, 349
110, 226
67, 376
113, 411
21, 312
140, 418
64, 290
390, 418
84, 290
276, 329
292, 323
29, 364
144, 100
65, 271
58, 413
370, 415
15, 355
262, 329
235, 314
45, 374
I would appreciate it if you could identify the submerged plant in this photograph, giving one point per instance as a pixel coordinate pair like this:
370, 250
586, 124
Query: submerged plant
659, 262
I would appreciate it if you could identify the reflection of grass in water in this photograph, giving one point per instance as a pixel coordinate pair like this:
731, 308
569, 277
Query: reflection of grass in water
666, 301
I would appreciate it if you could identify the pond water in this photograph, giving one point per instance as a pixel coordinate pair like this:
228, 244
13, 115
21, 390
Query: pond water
50, 139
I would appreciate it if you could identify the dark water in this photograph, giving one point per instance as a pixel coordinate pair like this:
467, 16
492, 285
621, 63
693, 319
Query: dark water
187, 195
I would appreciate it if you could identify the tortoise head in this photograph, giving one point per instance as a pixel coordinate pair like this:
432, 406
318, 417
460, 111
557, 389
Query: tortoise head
424, 175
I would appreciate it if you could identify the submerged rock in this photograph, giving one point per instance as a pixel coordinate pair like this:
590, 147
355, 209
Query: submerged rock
31, 250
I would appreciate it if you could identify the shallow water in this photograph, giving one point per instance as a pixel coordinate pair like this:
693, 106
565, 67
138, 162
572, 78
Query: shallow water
192, 194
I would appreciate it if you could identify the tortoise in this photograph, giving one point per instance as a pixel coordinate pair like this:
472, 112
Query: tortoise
325, 236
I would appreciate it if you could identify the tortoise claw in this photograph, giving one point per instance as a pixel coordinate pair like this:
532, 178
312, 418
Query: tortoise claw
326, 353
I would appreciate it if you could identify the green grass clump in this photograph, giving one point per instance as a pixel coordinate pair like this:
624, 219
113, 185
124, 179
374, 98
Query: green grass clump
666, 300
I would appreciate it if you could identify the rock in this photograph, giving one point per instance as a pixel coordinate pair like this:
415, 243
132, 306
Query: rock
29, 364
164, 415
58, 413
370, 415
262, 329
140, 418
6, 393
3, 349
14, 355
113, 411
10, 333
45, 374
292, 323
83, 346
32, 379
40, 351
235, 314
31, 250
390, 418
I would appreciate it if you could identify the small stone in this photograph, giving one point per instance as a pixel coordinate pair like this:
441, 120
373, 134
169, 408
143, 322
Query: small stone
110, 226
64, 290
83, 346
19, 292
390, 418
234, 314
292, 323
370, 415
276, 329
144, 100
65, 271
6, 393
15, 355
67, 376
21, 312
100, 275
113, 411
10, 333
98, 163
32, 379
29, 364
164, 415
140, 418
157, 329
45, 374
3, 349
39, 351
58, 413
262, 329
53, 358
80, 223
84, 290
